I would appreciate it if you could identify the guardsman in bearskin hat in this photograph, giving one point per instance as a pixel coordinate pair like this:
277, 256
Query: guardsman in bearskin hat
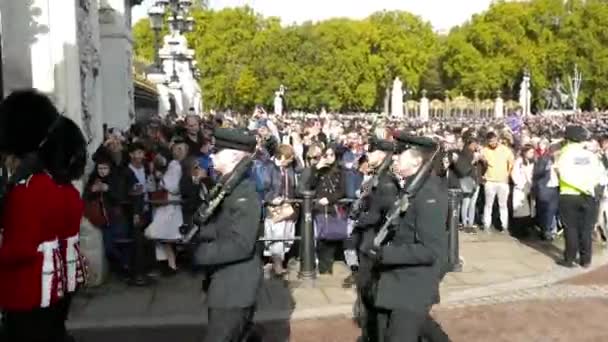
228, 237
40, 218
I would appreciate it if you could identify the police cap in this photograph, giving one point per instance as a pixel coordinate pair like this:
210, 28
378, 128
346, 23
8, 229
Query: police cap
576, 133
234, 139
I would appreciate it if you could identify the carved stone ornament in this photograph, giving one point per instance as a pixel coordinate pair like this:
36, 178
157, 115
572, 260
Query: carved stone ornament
89, 66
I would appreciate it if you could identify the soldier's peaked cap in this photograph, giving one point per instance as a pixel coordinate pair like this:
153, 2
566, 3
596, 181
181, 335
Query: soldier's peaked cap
381, 145
405, 141
234, 139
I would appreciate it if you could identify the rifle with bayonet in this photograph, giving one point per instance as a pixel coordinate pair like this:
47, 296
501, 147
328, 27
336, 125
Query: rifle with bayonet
216, 196
359, 205
385, 233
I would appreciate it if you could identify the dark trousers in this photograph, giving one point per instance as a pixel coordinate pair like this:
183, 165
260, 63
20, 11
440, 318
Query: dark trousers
117, 255
326, 251
433, 332
38, 325
229, 325
63, 308
367, 316
408, 326
547, 207
578, 214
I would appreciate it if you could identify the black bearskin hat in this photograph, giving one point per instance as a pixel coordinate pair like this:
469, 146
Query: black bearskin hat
30, 123
64, 152
25, 119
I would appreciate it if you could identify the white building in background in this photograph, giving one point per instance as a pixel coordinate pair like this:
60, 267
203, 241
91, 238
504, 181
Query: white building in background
174, 72
78, 52
179, 89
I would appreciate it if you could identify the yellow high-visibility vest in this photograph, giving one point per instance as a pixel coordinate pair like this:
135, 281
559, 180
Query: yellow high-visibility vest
578, 169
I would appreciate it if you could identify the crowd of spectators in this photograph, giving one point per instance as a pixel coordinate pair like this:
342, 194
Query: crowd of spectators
148, 179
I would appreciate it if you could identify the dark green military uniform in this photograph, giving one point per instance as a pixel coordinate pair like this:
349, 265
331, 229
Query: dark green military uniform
409, 267
381, 201
229, 254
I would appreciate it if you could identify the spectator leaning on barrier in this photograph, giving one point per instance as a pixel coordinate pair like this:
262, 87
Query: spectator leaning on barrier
168, 218
545, 189
330, 218
469, 169
105, 191
280, 221
523, 204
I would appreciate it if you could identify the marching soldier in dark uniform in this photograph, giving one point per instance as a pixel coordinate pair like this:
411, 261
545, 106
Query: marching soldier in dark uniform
227, 242
409, 266
379, 201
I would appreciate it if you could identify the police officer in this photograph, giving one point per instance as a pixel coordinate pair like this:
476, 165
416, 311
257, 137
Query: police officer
580, 173
228, 250
407, 270
379, 202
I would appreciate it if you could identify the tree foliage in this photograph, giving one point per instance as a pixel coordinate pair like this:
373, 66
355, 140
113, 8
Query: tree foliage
549, 37
344, 64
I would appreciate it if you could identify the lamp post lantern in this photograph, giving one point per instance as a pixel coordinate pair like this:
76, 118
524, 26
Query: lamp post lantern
183, 78
156, 14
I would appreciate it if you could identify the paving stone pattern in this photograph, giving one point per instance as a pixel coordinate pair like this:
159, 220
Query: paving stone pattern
508, 291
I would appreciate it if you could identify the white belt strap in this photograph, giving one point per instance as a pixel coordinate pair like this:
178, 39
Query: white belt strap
71, 260
48, 250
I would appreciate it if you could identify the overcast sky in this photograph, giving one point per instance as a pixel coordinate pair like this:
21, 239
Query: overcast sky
443, 14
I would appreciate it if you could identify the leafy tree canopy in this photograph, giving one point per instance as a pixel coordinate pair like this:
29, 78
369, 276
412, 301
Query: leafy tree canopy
343, 64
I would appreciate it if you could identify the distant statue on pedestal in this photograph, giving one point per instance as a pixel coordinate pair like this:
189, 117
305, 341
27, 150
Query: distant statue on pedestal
557, 97
525, 95
278, 100
397, 99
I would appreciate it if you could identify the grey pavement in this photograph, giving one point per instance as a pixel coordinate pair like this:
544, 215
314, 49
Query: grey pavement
494, 264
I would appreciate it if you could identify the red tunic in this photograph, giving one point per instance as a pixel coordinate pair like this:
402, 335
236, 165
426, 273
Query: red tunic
31, 267
75, 266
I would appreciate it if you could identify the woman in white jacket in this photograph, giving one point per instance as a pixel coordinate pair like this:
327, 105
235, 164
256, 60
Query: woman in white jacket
168, 218
521, 175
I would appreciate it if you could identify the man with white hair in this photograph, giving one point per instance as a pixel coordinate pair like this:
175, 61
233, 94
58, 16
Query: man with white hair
227, 248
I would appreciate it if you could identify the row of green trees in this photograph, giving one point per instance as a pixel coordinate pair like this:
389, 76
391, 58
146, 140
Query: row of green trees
343, 64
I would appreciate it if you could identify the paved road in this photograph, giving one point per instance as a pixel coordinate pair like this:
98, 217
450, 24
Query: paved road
574, 310
581, 320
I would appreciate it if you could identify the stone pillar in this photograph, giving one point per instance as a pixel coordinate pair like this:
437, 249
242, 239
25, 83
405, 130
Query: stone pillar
87, 15
424, 107
387, 100
116, 62
90, 78
499, 106
447, 108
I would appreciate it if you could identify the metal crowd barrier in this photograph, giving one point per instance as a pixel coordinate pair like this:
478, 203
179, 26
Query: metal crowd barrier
307, 271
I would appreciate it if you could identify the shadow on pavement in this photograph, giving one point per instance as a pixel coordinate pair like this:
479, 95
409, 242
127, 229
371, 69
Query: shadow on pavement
172, 309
